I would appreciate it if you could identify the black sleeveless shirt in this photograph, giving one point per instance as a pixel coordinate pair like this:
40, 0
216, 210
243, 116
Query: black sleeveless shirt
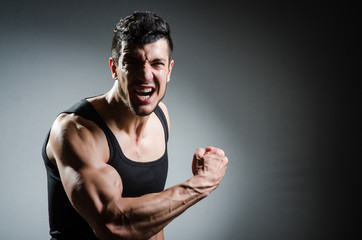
138, 178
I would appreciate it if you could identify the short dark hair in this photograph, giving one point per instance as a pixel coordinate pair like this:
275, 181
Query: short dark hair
140, 28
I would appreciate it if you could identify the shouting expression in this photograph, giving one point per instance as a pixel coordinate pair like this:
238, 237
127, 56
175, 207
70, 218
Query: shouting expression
142, 73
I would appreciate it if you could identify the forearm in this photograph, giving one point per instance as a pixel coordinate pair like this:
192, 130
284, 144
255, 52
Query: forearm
142, 217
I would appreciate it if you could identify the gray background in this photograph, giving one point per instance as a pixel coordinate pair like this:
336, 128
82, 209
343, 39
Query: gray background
268, 82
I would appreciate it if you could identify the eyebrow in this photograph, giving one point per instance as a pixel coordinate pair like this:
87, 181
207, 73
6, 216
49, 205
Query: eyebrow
130, 56
159, 60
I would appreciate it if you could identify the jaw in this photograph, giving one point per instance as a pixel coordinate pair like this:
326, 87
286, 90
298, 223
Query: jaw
144, 105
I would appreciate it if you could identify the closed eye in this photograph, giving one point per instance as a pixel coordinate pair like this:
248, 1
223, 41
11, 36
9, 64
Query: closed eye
128, 60
158, 62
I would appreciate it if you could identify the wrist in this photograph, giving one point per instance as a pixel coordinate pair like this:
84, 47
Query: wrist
196, 187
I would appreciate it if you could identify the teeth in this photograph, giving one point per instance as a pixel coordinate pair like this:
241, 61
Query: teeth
144, 97
144, 90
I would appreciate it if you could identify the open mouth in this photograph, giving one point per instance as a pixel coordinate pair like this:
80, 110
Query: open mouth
144, 92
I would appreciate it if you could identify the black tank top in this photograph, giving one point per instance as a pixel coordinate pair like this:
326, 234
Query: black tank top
137, 178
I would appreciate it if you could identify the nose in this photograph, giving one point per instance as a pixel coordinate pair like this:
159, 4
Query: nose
145, 72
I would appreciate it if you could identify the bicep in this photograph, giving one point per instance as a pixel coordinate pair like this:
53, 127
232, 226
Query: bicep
89, 182
91, 190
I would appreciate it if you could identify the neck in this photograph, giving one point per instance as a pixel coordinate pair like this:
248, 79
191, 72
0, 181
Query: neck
120, 117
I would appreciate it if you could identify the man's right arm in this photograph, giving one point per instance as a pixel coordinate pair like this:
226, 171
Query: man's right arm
95, 188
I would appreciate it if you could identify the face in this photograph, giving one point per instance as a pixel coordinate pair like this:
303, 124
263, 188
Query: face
142, 73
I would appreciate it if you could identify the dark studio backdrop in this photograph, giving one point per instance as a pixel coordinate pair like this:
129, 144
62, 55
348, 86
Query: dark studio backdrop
270, 83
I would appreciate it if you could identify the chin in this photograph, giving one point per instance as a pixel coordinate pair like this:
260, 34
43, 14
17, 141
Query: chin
143, 111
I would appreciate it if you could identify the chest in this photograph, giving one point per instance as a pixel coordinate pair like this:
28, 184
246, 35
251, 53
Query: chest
148, 147
144, 170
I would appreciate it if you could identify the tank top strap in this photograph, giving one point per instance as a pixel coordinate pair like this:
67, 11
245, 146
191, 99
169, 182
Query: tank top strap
86, 110
160, 114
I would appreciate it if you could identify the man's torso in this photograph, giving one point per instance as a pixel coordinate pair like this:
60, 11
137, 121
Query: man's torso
142, 167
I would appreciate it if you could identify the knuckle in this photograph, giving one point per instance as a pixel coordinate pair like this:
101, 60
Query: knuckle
219, 152
200, 150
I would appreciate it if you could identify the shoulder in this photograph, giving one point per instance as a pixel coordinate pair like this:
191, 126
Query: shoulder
76, 139
165, 111
75, 125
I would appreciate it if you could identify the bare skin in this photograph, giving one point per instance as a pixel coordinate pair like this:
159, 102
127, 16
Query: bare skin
79, 149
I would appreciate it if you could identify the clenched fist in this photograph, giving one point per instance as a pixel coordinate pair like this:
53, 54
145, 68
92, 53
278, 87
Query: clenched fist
208, 167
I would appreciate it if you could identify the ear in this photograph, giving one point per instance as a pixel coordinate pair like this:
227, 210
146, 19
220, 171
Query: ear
170, 70
113, 66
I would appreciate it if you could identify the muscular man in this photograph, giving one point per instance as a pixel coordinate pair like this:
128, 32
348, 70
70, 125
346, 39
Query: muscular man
106, 157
